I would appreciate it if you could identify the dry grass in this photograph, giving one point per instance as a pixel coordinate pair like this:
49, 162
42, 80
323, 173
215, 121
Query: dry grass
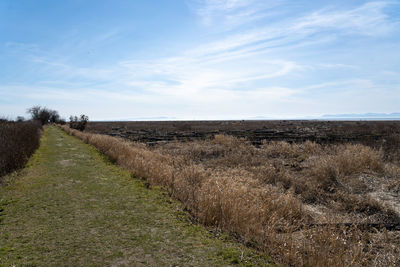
263, 195
347, 160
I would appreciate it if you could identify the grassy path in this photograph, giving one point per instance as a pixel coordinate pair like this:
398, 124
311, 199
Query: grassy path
72, 207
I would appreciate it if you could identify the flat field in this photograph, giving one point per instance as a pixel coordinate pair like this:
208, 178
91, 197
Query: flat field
306, 192
376, 133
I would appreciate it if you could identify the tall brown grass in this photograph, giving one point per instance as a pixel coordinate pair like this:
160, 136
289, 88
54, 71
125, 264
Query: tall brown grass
347, 160
250, 192
18, 140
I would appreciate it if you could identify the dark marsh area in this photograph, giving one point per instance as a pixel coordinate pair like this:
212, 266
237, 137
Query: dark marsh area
378, 134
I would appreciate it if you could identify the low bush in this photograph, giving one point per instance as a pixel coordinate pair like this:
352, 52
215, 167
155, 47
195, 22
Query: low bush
18, 140
78, 123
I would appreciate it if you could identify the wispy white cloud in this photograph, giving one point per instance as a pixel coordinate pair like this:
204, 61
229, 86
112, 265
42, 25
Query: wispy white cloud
336, 66
245, 57
212, 10
245, 68
320, 26
368, 19
231, 13
343, 85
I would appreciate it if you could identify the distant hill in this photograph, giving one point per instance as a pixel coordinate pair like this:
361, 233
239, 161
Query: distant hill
363, 116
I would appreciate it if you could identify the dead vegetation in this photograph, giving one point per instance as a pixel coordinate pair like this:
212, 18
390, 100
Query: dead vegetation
303, 203
18, 140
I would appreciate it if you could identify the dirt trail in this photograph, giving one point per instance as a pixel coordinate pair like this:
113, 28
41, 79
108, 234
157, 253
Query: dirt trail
72, 207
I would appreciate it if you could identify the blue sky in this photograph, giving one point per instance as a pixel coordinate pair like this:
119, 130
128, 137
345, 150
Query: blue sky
199, 59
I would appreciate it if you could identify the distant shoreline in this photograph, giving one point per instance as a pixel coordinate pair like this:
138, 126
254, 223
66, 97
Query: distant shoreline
235, 120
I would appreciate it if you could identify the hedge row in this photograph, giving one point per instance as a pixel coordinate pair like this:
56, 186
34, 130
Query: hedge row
18, 140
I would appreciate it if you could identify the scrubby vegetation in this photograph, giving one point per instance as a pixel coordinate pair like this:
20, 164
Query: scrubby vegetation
18, 140
78, 123
45, 115
303, 203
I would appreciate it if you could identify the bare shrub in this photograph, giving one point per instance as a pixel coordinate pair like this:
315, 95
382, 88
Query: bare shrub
78, 123
44, 115
18, 140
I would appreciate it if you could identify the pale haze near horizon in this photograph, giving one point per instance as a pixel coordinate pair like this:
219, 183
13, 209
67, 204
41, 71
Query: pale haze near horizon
199, 59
